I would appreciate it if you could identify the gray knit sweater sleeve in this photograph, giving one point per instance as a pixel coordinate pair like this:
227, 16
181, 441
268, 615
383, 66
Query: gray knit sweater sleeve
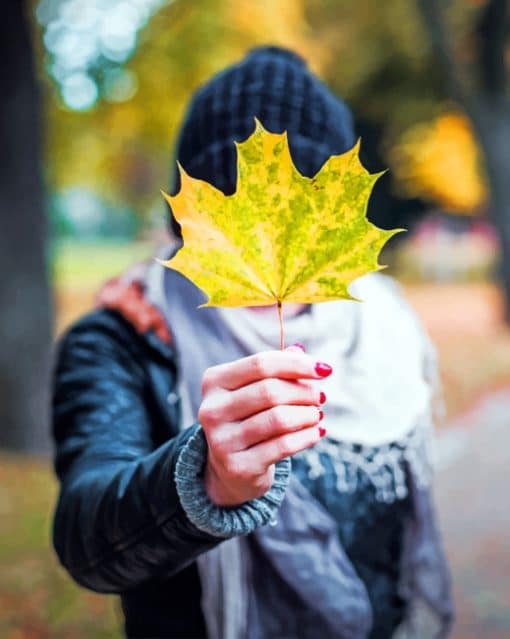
216, 520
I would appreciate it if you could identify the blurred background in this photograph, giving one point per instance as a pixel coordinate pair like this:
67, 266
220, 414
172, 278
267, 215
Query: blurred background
91, 96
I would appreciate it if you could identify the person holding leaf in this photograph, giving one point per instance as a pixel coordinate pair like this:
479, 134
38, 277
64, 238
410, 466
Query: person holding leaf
225, 486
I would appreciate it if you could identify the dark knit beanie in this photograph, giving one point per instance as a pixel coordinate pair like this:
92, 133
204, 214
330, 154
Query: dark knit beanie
275, 86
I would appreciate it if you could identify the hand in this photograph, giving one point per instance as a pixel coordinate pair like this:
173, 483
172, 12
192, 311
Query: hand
256, 411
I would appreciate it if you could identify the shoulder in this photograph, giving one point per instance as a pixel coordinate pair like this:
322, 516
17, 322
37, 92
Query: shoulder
98, 329
100, 345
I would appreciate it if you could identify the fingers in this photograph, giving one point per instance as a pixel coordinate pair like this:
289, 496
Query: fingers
224, 407
256, 411
291, 364
261, 456
264, 426
269, 393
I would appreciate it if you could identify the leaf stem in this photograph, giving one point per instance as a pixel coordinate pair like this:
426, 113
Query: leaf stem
280, 319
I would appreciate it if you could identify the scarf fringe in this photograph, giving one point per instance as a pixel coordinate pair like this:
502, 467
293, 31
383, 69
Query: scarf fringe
384, 466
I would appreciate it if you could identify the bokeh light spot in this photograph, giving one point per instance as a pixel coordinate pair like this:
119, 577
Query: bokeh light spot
87, 41
79, 92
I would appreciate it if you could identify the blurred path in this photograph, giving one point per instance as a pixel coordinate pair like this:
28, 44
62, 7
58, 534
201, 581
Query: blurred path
473, 498
466, 323
457, 308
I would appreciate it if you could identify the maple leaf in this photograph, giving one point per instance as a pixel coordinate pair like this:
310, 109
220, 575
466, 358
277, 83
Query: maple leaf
281, 237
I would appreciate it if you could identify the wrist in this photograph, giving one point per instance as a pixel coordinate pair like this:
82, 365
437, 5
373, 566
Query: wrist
223, 522
228, 491
216, 489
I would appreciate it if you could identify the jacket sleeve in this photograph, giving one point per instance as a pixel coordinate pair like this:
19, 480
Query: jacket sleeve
119, 520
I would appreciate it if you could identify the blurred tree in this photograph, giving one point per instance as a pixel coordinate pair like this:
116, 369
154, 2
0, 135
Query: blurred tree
376, 58
376, 55
25, 330
121, 148
440, 160
473, 50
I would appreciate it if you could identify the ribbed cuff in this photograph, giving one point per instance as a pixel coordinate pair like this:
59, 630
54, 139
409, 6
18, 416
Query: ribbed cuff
216, 520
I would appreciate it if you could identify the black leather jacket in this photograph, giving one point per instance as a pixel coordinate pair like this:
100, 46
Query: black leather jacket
119, 526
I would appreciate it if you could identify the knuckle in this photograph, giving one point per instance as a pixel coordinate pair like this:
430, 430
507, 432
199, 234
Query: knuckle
209, 414
204, 415
214, 441
306, 387
284, 447
259, 366
208, 380
276, 418
268, 392
309, 393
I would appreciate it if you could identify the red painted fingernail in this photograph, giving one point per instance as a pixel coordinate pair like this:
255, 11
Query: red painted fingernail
322, 431
322, 397
299, 345
323, 370
321, 415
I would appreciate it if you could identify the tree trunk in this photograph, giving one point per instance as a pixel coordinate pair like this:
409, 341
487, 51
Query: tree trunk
25, 324
488, 107
493, 123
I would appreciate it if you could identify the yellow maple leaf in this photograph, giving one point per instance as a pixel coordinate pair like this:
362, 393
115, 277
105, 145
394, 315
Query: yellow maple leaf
281, 237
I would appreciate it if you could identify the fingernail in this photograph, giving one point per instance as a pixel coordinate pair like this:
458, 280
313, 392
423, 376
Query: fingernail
323, 370
321, 415
322, 431
299, 345
322, 397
